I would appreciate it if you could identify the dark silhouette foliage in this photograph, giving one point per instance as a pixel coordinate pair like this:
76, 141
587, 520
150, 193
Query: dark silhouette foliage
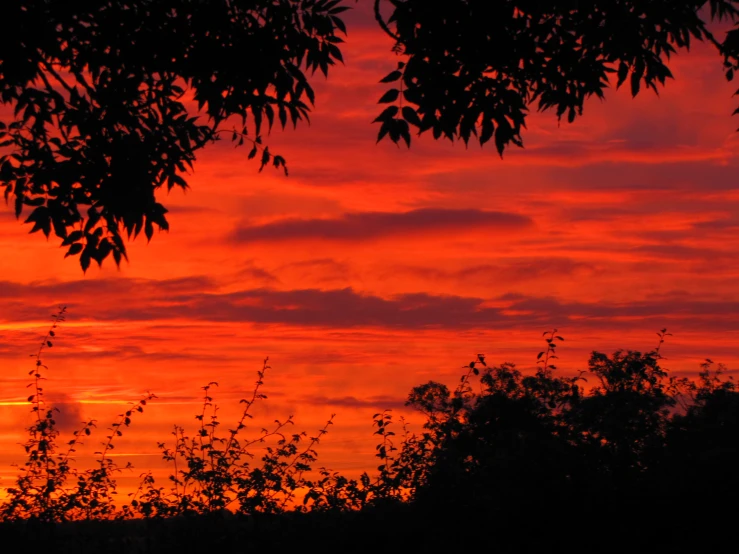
103, 92
113, 100
623, 453
522, 439
474, 68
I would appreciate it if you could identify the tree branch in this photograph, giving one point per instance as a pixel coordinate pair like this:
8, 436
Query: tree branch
383, 25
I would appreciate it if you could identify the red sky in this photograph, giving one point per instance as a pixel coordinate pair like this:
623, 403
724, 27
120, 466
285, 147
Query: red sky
374, 268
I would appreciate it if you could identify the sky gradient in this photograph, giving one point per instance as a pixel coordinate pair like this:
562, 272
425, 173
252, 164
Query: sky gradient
374, 268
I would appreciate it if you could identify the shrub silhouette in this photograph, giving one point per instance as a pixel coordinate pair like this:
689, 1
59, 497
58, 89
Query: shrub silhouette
498, 446
526, 439
50, 488
214, 472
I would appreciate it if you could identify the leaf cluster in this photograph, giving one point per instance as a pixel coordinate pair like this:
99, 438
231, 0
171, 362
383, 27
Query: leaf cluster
112, 100
474, 68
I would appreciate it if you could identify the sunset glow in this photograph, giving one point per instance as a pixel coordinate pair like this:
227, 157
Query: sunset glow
371, 268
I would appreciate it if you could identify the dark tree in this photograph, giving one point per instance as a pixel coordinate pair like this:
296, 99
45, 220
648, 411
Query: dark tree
703, 439
103, 93
475, 67
620, 451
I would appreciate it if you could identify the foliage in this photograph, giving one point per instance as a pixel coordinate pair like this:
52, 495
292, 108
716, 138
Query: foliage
112, 101
501, 442
43, 490
472, 68
214, 472
523, 439
211, 472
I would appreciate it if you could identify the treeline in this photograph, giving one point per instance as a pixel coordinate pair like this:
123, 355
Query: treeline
621, 456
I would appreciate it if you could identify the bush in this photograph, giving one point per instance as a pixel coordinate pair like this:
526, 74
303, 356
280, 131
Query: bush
638, 441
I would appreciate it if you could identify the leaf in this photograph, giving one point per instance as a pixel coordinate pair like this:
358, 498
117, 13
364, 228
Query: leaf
265, 159
403, 131
623, 72
85, 259
390, 77
339, 23
388, 113
487, 131
389, 96
636, 76
74, 236
411, 116
74, 250
384, 129
283, 117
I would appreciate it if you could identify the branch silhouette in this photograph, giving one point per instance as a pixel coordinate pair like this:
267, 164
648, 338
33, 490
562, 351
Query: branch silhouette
113, 102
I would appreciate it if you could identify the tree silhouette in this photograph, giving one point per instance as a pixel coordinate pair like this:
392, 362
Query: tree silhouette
474, 68
639, 461
102, 95
517, 441
113, 100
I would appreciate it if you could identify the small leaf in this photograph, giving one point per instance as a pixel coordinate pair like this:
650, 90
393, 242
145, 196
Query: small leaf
387, 114
623, 71
74, 250
389, 96
390, 77
85, 260
411, 116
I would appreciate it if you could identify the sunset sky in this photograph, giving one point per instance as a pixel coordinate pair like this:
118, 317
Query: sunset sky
374, 268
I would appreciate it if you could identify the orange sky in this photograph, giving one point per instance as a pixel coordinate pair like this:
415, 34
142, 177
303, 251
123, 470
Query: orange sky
373, 268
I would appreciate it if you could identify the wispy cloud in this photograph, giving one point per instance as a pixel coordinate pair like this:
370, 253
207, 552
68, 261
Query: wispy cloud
349, 308
370, 225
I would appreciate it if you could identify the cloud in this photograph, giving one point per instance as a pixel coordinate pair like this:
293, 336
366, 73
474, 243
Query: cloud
68, 415
7, 216
253, 273
682, 254
197, 300
371, 225
512, 271
320, 271
53, 292
381, 402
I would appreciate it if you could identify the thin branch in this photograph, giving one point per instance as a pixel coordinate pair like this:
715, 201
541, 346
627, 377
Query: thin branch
383, 25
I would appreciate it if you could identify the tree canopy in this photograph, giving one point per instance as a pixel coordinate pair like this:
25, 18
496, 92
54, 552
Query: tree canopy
112, 100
